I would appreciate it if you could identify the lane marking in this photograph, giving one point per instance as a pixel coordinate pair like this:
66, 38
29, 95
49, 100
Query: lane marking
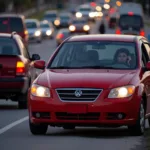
6, 128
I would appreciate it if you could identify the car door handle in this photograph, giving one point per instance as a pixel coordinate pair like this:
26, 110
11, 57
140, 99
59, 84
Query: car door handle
1, 66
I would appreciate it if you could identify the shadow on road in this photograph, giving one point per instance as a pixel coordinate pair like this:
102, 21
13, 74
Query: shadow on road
94, 133
8, 107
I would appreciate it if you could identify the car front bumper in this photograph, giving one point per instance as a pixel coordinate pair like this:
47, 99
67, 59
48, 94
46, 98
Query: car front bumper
103, 111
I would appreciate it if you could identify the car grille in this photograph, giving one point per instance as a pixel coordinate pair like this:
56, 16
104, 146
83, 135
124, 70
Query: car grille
78, 94
70, 116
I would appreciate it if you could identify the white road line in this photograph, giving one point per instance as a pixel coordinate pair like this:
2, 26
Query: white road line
6, 128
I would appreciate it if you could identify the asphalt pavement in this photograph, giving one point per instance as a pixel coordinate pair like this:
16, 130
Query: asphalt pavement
15, 133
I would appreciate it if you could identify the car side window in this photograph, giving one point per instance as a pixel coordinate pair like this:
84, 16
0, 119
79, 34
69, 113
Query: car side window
145, 57
146, 45
23, 48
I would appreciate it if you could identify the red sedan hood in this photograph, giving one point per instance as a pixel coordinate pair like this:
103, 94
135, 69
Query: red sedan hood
87, 78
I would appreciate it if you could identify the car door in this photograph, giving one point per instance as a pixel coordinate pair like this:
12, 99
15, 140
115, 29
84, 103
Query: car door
145, 58
27, 60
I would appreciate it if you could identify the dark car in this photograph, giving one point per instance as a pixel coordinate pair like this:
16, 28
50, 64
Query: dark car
112, 22
79, 26
16, 71
62, 35
63, 20
131, 24
14, 23
50, 16
93, 80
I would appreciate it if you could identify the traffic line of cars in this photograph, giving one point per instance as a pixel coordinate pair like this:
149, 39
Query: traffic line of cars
90, 80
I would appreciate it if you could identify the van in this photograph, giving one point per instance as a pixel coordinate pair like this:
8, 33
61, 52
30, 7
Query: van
14, 23
130, 19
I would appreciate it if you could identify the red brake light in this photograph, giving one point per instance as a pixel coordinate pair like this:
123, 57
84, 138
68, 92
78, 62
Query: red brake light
142, 33
20, 68
93, 4
60, 36
130, 13
118, 31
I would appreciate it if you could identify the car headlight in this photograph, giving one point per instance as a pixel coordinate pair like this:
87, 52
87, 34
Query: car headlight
37, 33
91, 14
40, 91
78, 15
98, 8
57, 22
48, 32
122, 92
86, 27
72, 28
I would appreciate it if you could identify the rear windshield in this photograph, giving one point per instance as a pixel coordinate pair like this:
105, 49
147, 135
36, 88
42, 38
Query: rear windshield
127, 20
30, 25
8, 47
11, 24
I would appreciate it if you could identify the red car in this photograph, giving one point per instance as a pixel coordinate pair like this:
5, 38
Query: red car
93, 80
16, 70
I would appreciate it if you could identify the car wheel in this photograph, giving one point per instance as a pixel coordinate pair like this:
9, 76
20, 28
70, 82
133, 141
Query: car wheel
38, 129
69, 127
139, 128
22, 101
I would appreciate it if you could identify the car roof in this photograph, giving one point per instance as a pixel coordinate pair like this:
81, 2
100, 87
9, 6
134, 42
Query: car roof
110, 37
12, 15
31, 20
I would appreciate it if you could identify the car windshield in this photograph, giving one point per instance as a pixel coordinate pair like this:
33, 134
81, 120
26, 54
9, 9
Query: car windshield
84, 9
31, 25
64, 17
8, 47
44, 25
78, 21
95, 55
127, 20
50, 16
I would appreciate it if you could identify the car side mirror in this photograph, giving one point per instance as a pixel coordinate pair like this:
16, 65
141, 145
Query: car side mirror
35, 57
148, 65
39, 64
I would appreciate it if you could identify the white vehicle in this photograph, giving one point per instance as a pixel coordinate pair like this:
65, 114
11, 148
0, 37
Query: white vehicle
34, 30
86, 11
130, 19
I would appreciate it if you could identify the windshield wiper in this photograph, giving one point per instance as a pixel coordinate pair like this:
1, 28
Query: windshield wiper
99, 67
84, 67
60, 67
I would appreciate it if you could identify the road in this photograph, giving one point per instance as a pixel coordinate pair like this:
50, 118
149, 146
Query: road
15, 134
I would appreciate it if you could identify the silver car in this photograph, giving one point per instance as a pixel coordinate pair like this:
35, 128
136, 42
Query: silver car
34, 30
47, 29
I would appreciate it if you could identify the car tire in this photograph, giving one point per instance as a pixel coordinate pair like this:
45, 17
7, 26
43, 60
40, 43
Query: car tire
69, 127
139, 128
38, 129
22, 101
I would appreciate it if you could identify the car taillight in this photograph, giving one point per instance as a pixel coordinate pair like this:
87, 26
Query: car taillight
60, 36
20, 68
25, 32
118, 31
142, 33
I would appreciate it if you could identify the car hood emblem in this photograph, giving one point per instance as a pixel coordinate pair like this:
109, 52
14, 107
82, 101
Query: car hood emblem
78, 93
